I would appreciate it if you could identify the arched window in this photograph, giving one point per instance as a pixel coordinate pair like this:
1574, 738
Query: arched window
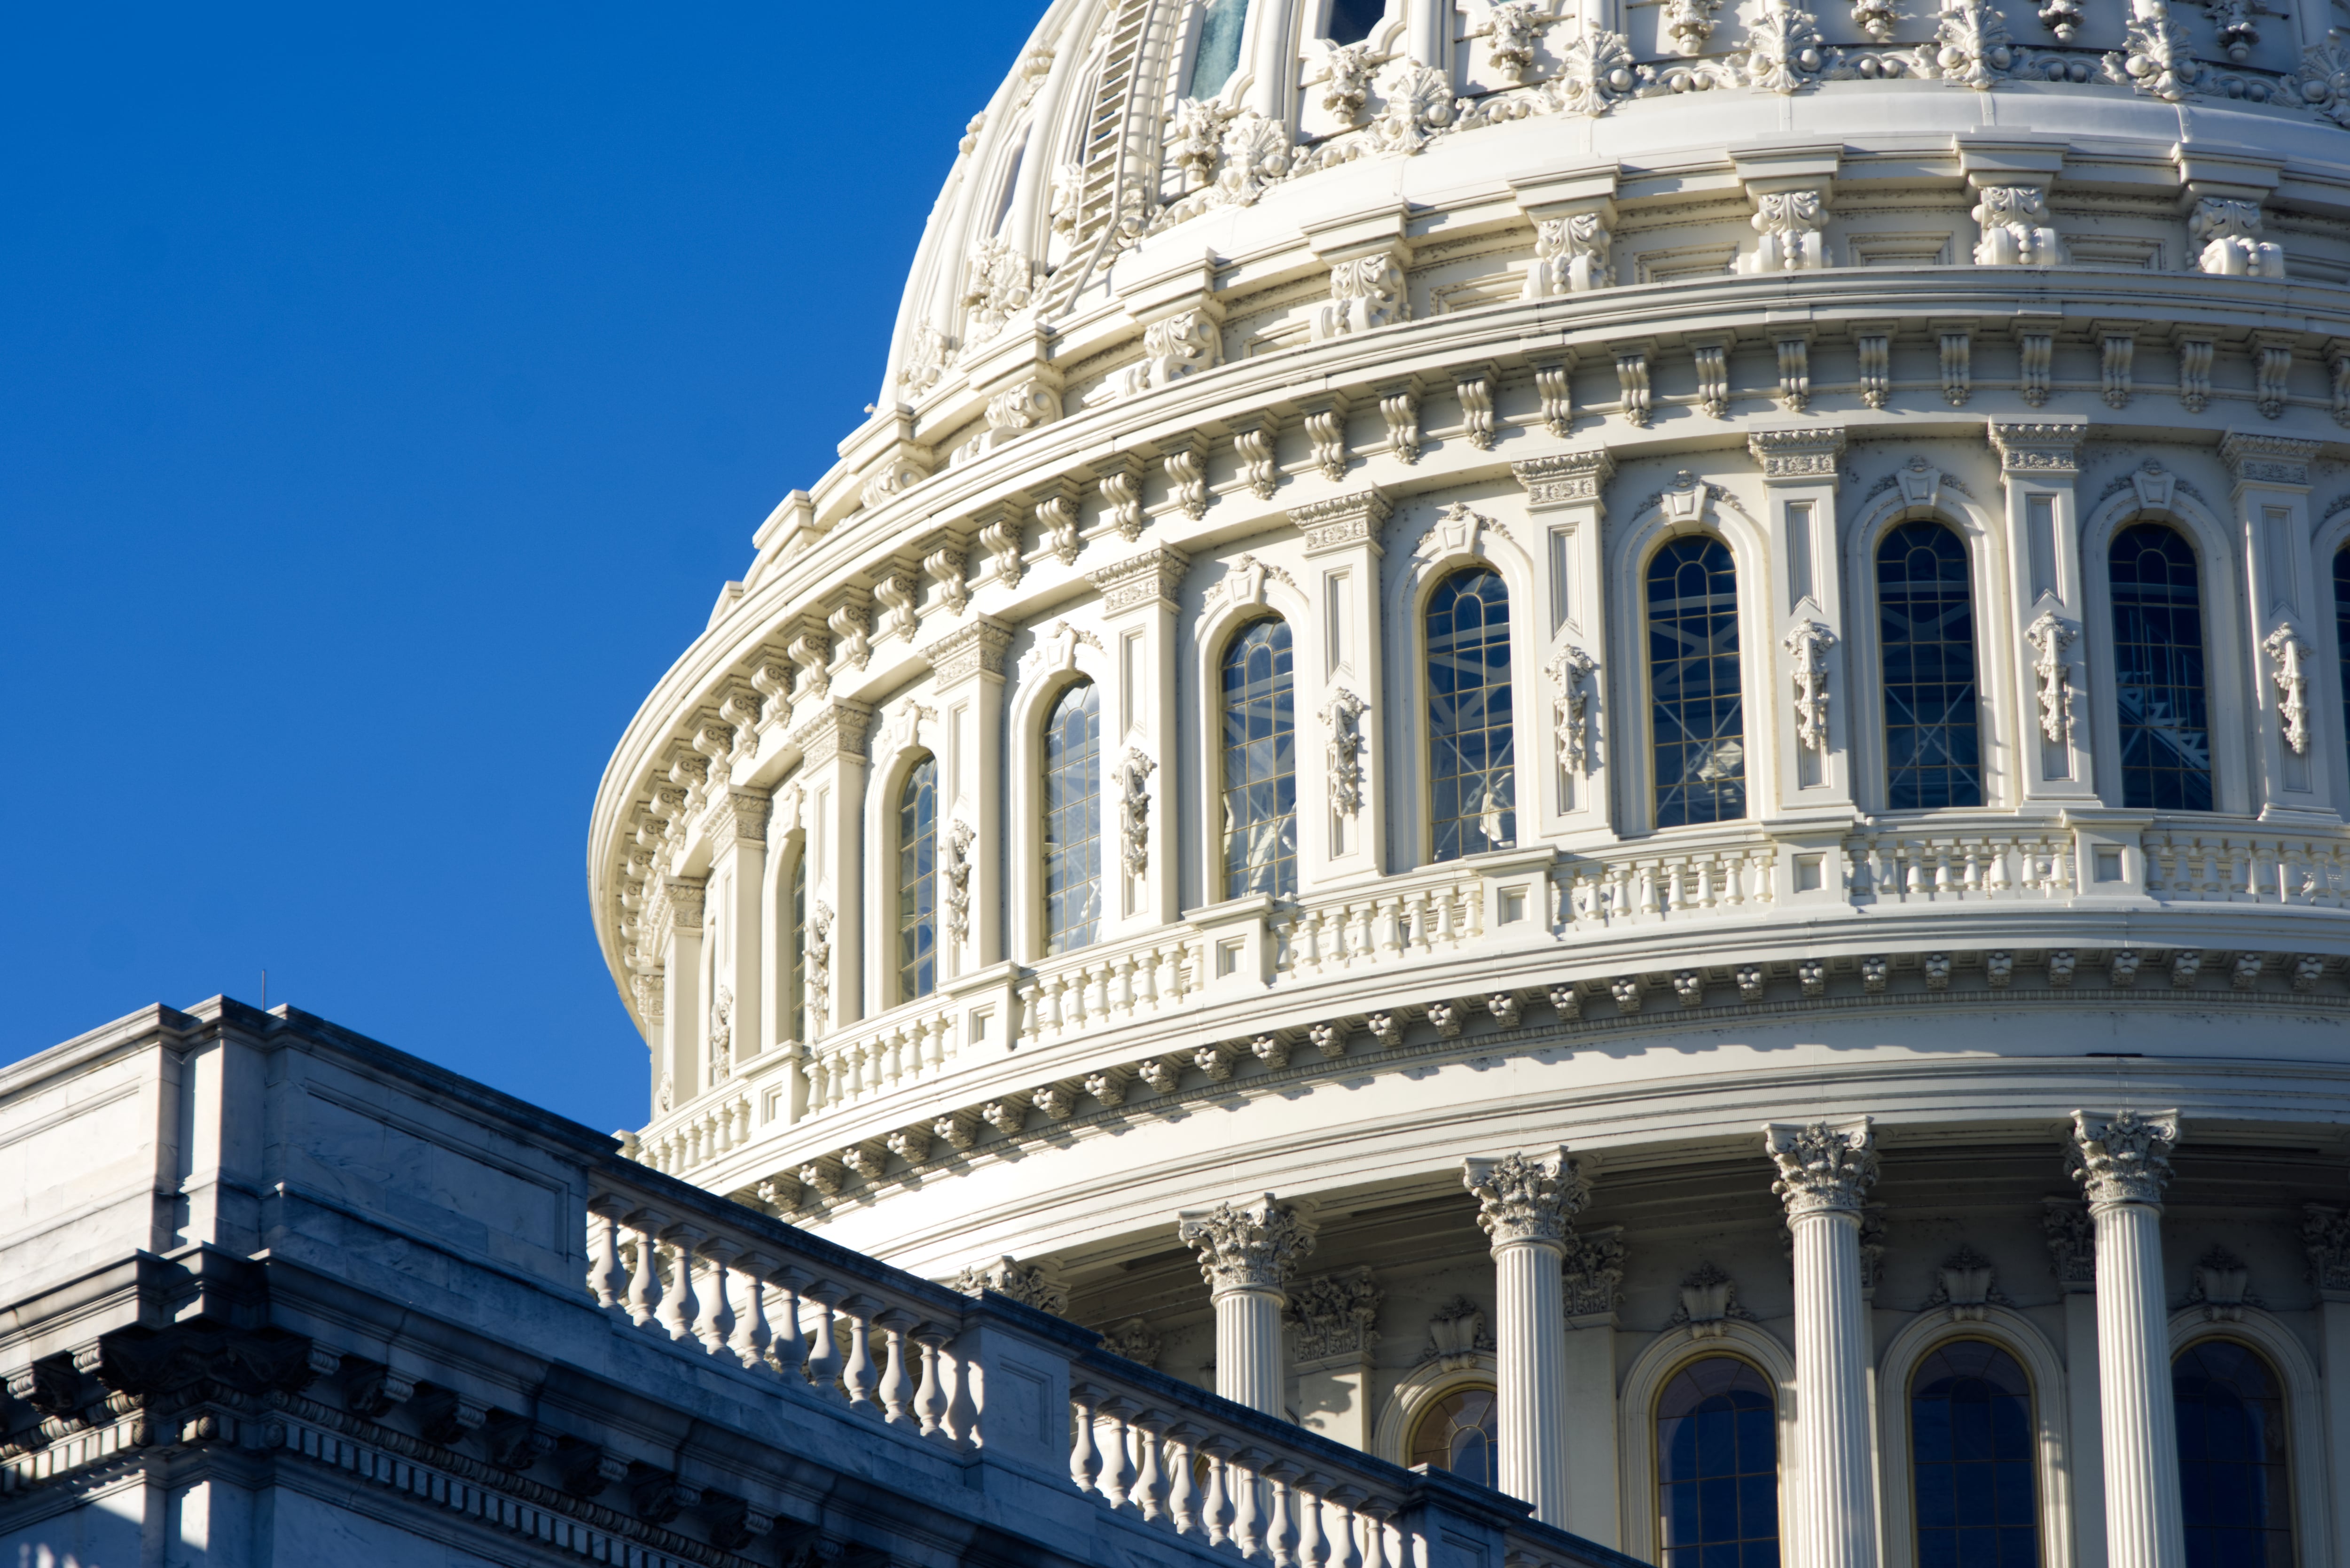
918, 881
2235, 1478
1698, 725
2158, 671
1971, 1455
1718, 1466
1458, 1434
1073, 878
1925, 620
2342, 629
1217, 55
1259, 762
796, 954
1351, 21
1472, 762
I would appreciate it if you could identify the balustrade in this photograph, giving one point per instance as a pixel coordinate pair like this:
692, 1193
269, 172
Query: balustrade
2216, 868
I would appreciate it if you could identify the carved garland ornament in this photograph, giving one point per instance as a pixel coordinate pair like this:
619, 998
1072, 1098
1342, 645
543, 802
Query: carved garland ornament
1809, 642
2050, 636
1344, 715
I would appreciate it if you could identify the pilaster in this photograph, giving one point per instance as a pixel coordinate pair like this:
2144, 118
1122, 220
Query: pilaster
967, 667
1566, 500
1139, 607
2072, 1259
736, 827
678, 922
1526, 1206
2325, 1237
832, 784
1594, 1268
2123, 1163
2269, 494
1825, 1172
1248, 1256
1810, 691
1343, 553
2040, 466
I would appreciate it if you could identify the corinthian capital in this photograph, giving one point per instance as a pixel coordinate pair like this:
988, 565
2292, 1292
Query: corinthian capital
1255, 1247
1823, 1166
2124, 1158
1527, 1199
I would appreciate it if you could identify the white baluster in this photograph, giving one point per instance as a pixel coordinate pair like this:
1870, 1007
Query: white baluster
1281, 1534
1216, 1505
1149, 1492
1084, 1462
1312, 1548
930, 1396
1110, 1435
607, 1278
856, 1372
788, 1351
752, 1333
679, 1307
645, 1281
714, 1325
1344, 1552
1374, 1515
896, 1390
1182, 1497
824, 1346
1242, 1484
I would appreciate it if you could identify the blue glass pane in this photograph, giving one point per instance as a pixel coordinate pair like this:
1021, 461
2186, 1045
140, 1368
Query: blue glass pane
1717, 1464
1697, 726
1217, 53
2166, 738
1073, 878
1472, 779
2234, 1470
918, 841
1260, 761
1971, 1458
1926, 627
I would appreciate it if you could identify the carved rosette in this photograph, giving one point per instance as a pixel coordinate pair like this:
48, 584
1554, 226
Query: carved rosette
1824, 1167
1255, 1247
2125, 1158
1522, 1199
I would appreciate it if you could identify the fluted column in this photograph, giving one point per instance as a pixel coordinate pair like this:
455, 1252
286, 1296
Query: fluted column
1525, 1205
1248, 1255
1825, 1172
2123, 1163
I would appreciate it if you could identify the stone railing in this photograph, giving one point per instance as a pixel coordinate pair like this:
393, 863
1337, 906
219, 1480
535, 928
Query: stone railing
1902, 867
2251, 868
709, 1277
1424, 914
1113, 983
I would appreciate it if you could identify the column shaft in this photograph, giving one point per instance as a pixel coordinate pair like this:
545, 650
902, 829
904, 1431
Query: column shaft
1837, 1509
1250, 1368
1530, 1357
2144, 1528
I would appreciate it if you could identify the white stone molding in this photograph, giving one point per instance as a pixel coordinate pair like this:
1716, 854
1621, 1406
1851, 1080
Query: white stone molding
1419, 1389
1825, 1172
1249, 590
2049, 635
2123, 1163
2053, 1454
1064, 657
2015, 228
1644, 1382
1809, 643
1248, 1256
1793, 230
2227, 234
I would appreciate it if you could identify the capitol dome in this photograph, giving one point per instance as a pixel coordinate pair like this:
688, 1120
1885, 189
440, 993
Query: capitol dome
1603, 743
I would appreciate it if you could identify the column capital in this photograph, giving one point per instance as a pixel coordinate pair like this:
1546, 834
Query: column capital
2124, 1158
1565, 479
1154, 576
2256, 458
735, 816
1255, 1247
1527, 1199
2051, 448
1799, 455
837, 730
1824, 1167
1354, 518
978, 649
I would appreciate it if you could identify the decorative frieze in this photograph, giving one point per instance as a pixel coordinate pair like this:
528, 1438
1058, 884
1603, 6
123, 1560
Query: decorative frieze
1342, 521
2267, 459
1565, 478
1797, 456
2053, 448
1154, 576
978, 649
837, 729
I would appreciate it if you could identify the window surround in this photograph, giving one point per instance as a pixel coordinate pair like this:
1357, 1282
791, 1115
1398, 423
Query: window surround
1416, 1392
1448, 546
2305, 1403
1052, 664
897, 747
1995, 666
2043, 1368
2327, 716
1636, 1415
1236, 603
1628, 685
2227, 682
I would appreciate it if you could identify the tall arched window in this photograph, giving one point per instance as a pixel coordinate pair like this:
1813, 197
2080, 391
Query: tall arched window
1458, 1434
1073, 877
1696, 720
1971, 1455
2235, 1478
1259, 762
918, 881
2342, 629
2158, 671
1217, 55
1925, 621
1472, 761
1718, 1466
795, 953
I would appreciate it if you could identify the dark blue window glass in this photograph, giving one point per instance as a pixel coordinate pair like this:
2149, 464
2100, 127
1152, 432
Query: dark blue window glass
918, 881
1970, 1453
1472, 762
1351, 21
1697, 722
2341, 629
1718, 1466
796, 972
2166, 732
1073, 878
1259, 762
2234, 1477
1459, 1435
1925, 621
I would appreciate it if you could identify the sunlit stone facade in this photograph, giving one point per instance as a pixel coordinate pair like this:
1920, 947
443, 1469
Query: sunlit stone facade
1463, 635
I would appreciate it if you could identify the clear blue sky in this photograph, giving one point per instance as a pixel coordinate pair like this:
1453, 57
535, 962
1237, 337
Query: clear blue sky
385, 392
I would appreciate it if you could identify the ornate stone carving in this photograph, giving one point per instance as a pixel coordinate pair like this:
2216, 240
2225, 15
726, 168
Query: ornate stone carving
1688, 23
2286, 649
1632, 385
2326, 1237
1418, 102
1792, 455
1457, 1336
1971, 47
2267, 459
1823, 1166
999, 284
1809, 642
1366, 292
1792, 225
2228, 234
2124, 1158
1708, 1302
1595, 69
1511, 30
2220, 1279
1333, 1315
1784, 52
1571, 256
1342, 521
819, 965
1134, 772
1569, 478
2050, 635
1120, 480
1186, 477
1343, 715
1173, 349
979, 648
1593, 1271
1255, 1247
2157, 55
1400, 412
1965, 1287
1522, 1199
2015, 228
1151, 577
1133, 1340
1031, 1285
1876, 353
1346, 84
1570, 686
958, 874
